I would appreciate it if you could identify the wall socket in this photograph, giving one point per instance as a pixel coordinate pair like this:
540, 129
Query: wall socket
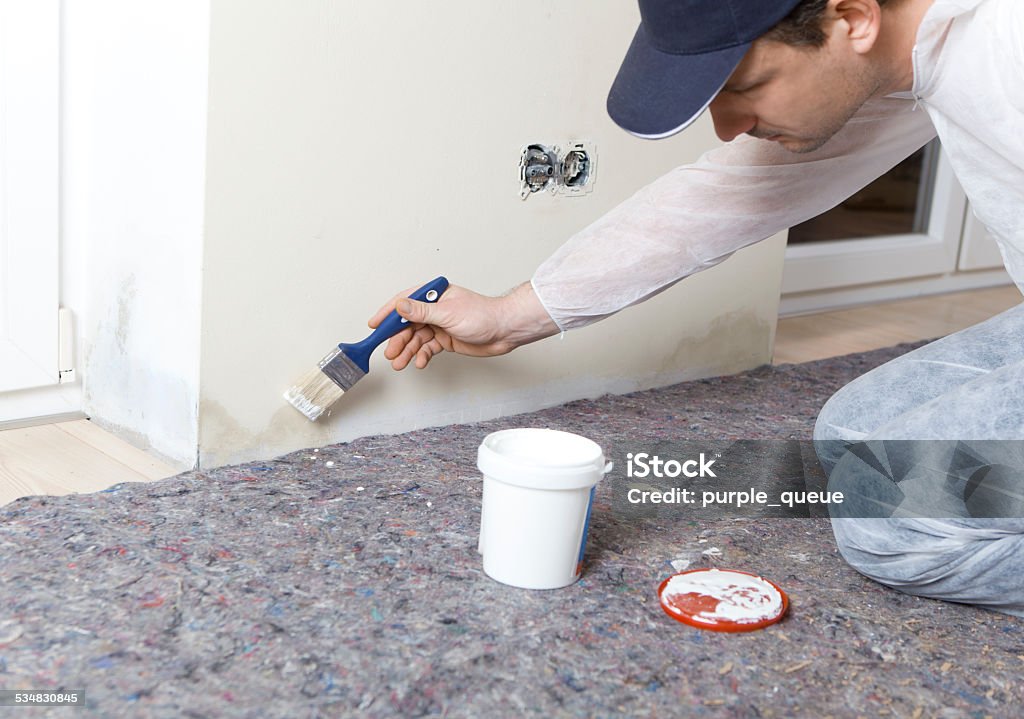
549, 168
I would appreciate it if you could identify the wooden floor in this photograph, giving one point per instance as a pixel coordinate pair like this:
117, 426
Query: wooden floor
830, 334
78, 456
68, 457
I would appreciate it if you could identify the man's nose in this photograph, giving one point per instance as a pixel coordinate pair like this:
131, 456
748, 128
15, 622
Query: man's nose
730, 119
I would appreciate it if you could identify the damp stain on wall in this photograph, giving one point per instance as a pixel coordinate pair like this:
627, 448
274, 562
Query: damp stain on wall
224, 439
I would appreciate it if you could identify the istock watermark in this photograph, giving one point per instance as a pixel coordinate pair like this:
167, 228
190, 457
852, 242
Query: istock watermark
642, 464
710, 478
785, 478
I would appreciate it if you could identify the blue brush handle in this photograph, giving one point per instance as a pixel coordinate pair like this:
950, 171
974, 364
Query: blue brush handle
393, 324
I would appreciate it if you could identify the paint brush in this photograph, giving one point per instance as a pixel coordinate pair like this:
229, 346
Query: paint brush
338, 372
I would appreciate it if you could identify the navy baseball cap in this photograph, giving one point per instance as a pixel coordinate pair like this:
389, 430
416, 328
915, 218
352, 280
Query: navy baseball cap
681, 56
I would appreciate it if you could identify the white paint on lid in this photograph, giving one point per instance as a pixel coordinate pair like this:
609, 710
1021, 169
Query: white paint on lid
742, 598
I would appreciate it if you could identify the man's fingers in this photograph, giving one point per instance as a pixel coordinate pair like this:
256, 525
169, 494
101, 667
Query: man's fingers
423, 356
427, 352
423, 313
420, 336
387, 307
397, 343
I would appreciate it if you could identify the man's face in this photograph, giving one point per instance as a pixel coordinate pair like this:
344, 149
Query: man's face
796, 96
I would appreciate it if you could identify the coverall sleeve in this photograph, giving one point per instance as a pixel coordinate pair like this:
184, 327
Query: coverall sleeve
697, 215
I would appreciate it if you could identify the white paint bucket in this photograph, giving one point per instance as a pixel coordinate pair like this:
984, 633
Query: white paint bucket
538, 490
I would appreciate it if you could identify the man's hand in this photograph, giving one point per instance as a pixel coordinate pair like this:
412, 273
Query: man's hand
465, 322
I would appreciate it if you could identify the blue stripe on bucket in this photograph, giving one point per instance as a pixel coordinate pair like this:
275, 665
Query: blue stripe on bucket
586, 528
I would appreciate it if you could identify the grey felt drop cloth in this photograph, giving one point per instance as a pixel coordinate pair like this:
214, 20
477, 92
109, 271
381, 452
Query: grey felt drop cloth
289, 588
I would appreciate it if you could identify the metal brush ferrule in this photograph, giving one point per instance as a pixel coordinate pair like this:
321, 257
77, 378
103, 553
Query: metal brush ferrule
342, 371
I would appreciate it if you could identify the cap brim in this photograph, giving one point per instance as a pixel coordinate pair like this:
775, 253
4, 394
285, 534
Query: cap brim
657, 94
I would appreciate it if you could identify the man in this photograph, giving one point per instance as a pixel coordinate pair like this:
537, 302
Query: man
815, 99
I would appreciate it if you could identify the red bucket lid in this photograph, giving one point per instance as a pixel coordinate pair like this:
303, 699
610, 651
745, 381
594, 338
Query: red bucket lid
723, 600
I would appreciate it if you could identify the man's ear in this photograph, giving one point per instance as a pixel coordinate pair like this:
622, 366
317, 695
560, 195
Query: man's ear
859, 20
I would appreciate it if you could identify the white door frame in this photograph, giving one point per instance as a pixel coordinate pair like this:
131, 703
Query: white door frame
29, 212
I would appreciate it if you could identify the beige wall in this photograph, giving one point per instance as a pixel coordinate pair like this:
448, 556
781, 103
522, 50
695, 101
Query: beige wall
355, 149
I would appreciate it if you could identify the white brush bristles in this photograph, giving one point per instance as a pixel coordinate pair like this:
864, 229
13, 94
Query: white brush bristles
314, 394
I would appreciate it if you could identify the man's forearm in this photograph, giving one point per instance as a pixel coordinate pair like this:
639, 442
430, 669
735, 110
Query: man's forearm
524, 319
